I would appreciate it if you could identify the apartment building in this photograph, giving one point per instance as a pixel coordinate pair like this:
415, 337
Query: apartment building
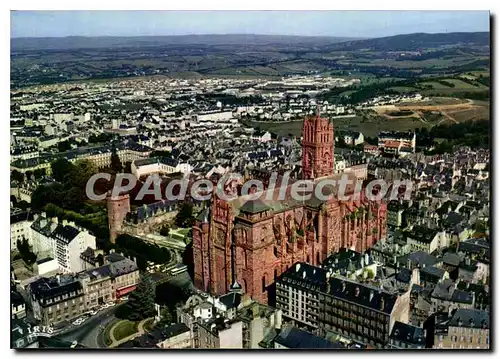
316, 299
64, 297
20, 228
176, 336
100, 156
220, 333
394, 140
124, 274
68, 244
407, 336
395, 211
57, 299
421, 238
165, 165
18, 305
294, 338
229, 321
41, 234
464, 329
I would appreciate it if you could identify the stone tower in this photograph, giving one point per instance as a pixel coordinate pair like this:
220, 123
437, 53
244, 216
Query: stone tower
254, 239
118, 207
201, 249
317, 147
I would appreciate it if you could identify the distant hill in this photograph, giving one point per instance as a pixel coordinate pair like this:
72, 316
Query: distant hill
416, 41
80, 42
391, 43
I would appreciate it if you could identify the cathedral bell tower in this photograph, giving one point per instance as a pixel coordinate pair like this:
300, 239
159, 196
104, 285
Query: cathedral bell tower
317, 147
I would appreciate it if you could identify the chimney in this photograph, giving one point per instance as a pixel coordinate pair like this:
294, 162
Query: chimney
371, 295
64, 222
112, 250
135, 260
55, 220
382, 303
304, 274
297, 267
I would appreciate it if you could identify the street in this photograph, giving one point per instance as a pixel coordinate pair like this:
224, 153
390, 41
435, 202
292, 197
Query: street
89, 333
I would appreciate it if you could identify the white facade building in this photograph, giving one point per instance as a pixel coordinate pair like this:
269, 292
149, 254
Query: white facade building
69, 242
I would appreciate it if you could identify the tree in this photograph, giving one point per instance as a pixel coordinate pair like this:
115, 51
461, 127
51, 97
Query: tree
25, 251
81, 172
127, 167
17, 176
116, 164
141, 303
185, 216
64, 146
23, 205
165, 318
52, 193
61, 168
40, 172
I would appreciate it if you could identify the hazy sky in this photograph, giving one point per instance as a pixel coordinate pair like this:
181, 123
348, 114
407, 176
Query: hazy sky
327, 23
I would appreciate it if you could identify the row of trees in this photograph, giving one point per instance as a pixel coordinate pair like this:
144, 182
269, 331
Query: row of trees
20, 177
142, 251
475, 134
69, 190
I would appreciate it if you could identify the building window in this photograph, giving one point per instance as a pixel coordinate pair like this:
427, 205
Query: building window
263, 284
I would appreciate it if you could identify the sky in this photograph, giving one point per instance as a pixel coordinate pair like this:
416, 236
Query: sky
306, 23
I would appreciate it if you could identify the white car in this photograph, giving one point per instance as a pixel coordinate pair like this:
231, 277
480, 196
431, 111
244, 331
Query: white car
93, 312
78, 321
110, 304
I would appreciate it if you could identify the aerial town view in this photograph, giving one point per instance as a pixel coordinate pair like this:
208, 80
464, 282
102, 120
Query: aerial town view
250, 180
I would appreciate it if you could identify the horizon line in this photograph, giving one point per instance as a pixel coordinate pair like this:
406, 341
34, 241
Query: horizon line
247, 34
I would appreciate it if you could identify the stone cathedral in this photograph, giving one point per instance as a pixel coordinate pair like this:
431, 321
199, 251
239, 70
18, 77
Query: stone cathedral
247, 243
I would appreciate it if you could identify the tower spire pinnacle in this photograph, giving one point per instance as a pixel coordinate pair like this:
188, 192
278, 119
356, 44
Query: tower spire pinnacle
317, 110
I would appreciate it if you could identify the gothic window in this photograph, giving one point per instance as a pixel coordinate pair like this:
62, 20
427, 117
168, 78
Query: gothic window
263, 284
308, 259
275, 252
317, 258
275, 274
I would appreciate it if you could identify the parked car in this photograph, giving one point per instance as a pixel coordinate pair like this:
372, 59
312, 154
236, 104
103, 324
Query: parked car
94, 312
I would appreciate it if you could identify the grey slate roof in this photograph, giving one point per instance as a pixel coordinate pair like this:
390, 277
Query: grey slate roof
452, 259
472, 318
408, 334
295, 338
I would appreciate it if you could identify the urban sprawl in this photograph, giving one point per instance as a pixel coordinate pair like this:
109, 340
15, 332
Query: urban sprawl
242, 271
